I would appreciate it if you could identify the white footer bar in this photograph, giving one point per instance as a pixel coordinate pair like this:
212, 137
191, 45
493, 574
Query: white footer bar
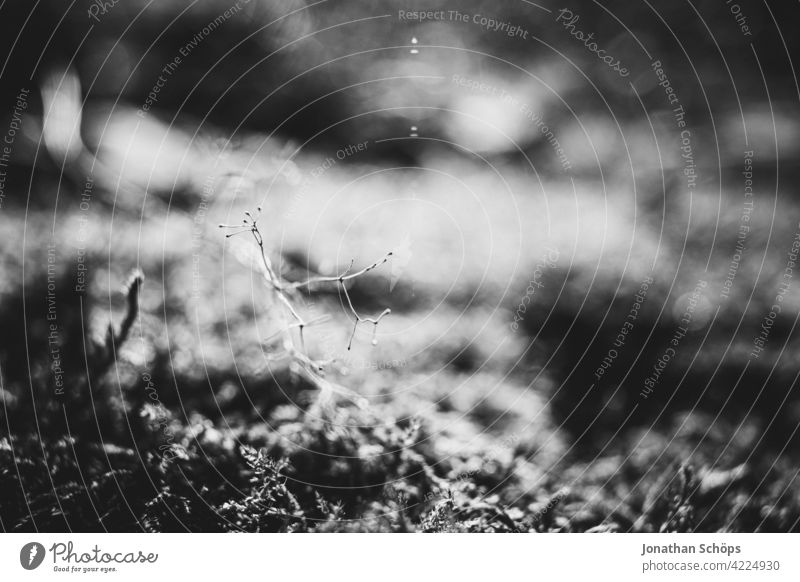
401, 557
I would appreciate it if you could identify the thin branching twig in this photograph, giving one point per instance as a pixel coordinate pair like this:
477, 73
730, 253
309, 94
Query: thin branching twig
284, 290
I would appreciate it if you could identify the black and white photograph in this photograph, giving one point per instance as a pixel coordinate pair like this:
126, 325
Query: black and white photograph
348, 266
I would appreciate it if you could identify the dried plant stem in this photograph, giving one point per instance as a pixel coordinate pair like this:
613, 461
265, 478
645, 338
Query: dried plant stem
284, 291
358, 319
344, 276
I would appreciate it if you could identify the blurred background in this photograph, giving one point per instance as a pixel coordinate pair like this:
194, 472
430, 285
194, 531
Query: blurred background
584, 276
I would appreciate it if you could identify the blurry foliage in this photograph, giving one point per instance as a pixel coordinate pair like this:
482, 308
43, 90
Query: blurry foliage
347, 468
219, 485
230, 447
